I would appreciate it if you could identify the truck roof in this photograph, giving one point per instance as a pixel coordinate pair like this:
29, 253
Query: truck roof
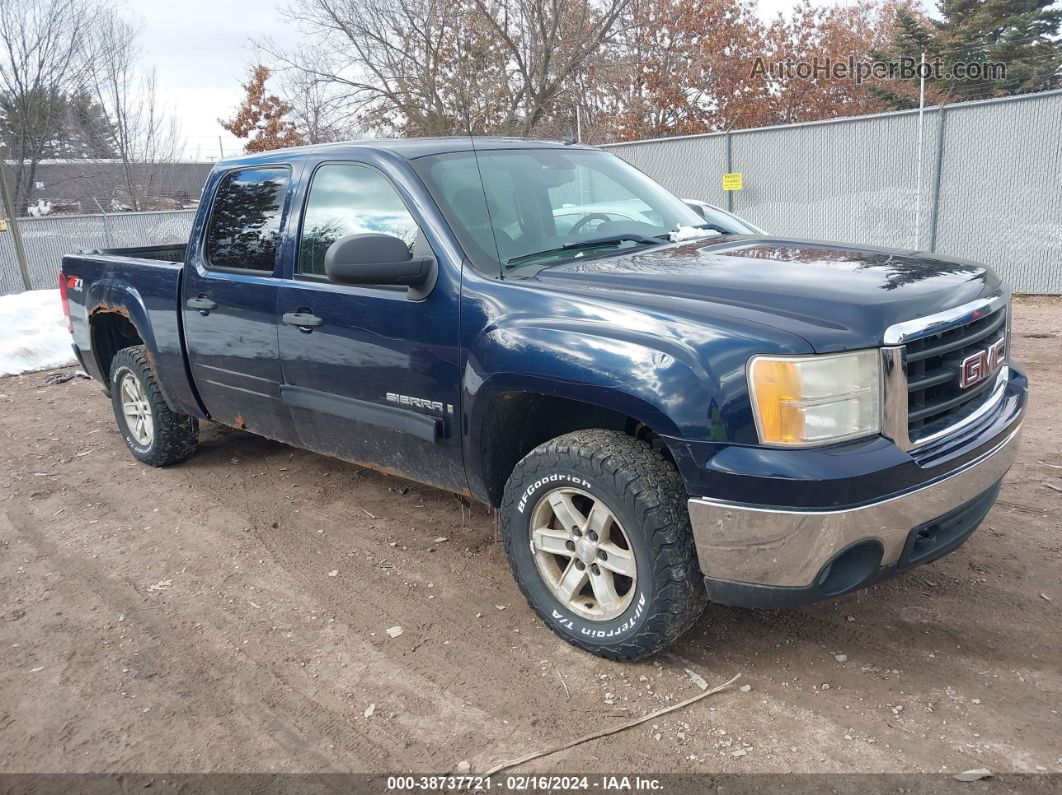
409, 148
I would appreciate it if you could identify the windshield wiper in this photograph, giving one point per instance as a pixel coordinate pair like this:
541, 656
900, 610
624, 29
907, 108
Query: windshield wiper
594, 242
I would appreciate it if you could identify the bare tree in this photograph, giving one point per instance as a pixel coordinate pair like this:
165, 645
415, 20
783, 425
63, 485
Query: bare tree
42, 61
447, 67
318, 112
145, 138
547, 43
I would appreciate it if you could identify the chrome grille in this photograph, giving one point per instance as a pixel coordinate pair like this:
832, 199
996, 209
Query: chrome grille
935, 398
922, 367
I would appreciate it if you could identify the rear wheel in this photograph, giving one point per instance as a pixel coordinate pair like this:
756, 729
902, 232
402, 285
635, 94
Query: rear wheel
599, 541
153, 432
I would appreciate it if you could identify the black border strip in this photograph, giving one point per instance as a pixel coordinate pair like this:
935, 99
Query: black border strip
531, 783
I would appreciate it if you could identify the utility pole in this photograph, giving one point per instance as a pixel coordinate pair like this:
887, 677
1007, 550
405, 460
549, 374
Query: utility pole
221, 148
16, 233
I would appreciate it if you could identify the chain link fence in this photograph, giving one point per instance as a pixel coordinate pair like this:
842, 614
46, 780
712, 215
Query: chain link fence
989, 188
47, 239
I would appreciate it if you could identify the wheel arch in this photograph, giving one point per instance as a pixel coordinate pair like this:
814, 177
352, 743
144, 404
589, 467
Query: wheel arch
110, 330
118, 318
515, 420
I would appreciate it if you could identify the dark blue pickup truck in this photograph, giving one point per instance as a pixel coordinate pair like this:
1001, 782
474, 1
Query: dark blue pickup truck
667, 405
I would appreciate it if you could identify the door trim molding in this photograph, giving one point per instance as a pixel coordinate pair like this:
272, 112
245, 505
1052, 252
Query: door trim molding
422, 426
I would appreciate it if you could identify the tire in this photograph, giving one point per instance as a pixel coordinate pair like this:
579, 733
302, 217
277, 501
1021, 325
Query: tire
645, 496
171, 437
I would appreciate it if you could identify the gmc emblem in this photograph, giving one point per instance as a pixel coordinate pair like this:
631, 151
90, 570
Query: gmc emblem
976, 368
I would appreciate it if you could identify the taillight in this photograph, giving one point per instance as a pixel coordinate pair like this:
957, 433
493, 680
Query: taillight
66, 302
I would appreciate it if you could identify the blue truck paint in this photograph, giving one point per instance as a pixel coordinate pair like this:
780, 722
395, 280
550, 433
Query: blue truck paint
661, 336
150, 305
836, 297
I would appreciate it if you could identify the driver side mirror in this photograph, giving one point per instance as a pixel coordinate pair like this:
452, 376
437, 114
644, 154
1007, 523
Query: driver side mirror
376, 259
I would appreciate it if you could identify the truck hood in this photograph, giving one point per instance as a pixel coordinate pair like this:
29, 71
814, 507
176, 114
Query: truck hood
836, 297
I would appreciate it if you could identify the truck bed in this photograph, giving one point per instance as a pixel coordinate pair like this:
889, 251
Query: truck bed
130, 292
171, 252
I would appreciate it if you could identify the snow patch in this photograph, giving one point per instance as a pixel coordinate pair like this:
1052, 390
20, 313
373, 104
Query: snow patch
683, 233
33, 333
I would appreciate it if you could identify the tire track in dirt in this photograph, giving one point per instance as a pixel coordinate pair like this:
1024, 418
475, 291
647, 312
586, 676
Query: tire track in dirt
300, 721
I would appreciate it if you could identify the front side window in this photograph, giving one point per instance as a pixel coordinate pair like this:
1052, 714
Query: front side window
347, 199
244, 229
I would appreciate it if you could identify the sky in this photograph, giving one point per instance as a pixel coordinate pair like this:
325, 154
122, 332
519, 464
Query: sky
201, 51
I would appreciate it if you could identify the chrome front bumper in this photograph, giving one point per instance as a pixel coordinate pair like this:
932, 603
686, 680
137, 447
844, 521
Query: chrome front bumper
756, 546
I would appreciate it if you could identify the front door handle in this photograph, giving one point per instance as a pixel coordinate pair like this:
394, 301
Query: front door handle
202, 304
303, 319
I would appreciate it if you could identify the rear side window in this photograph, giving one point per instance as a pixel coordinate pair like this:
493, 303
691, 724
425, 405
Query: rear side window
348, 199
244, 229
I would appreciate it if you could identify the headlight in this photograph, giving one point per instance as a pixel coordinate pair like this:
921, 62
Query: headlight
803, 401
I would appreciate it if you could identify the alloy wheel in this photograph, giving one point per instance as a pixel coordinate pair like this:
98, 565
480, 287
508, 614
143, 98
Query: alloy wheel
583, 554
137, 410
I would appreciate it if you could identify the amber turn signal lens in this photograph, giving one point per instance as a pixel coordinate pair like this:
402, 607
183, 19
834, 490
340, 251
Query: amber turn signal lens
813, 400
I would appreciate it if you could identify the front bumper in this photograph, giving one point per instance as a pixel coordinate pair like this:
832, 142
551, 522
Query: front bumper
771, 556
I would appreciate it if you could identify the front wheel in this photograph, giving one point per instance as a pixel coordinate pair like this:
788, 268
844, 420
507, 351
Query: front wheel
153, 432
599, 540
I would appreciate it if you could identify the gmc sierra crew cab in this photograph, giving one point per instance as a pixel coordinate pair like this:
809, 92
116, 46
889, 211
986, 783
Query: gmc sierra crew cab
667, 405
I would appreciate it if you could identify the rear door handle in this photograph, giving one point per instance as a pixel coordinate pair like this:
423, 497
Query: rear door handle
202, 304
303, 319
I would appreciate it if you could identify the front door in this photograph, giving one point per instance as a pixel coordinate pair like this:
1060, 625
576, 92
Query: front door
371, 374
230, 303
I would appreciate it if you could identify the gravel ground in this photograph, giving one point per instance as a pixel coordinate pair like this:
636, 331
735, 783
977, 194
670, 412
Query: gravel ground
232, 614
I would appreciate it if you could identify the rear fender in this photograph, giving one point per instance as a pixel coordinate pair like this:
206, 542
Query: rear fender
117, 296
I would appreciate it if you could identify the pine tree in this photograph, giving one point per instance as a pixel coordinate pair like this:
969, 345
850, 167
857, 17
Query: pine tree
1018, 34
85, 130
1012, 32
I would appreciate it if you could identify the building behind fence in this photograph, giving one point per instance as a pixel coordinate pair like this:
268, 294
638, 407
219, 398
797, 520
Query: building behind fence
990, 189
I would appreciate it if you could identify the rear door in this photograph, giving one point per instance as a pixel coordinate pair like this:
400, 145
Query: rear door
376, 379
230, 301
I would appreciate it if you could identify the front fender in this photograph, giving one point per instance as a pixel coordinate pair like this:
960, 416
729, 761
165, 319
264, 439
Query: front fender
656, 381
677, 367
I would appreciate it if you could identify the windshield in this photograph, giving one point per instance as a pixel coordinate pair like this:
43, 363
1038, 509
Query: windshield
547, 206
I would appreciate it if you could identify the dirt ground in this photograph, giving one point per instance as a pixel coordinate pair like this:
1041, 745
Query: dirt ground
231, 614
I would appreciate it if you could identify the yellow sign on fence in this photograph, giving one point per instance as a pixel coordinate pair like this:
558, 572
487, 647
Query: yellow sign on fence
732, 181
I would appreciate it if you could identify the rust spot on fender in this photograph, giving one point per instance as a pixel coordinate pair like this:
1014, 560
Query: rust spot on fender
105, 308
239, 423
